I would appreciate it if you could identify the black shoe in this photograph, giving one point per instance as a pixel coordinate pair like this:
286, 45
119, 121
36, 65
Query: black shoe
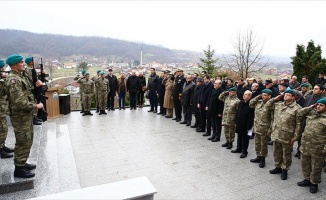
172, 118
112, 109
82, 111
168, 116
270, 142
38, 119
200, 130
4, 154
188, 124
194, 126
135, 108
119, 108
262, 162
297, 154
97, 111
284, 174
36, 122
104, 113
276, 171
206, 134
230, 145
183, 122
29, 166
216, 139
243, 155
304, 183
313, 188
7, 149
178, 120
21, 172
236, 151
256, 160
211, 138
225, 144
89, 113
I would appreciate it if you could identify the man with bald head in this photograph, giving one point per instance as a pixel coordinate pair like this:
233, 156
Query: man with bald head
294, 84
133, 85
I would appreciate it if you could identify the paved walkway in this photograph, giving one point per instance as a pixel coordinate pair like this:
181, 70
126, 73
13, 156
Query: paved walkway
180, 163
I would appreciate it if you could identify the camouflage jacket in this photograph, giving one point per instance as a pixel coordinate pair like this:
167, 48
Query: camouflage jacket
305, 95
87, 85
3, 99
80, 85
94, 79
286, 124
102, 85
19, 94
263, 116
313, 142
230, 108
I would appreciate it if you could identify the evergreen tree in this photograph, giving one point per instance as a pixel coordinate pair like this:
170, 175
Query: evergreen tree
308, 61
82, 65
208, 63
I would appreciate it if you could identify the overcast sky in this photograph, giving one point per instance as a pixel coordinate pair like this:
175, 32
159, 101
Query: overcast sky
188, 25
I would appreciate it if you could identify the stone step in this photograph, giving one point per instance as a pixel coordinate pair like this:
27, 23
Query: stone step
8, 183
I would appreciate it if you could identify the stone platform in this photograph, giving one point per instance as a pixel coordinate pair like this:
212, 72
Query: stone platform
180, 163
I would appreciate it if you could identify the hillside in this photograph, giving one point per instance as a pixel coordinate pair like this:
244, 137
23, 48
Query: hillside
57, 46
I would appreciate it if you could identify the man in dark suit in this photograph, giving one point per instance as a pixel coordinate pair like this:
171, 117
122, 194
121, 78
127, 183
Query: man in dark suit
215, 111
269, 85
113, 85
177, 93
202, 105
161, 92
187, 93
195, 109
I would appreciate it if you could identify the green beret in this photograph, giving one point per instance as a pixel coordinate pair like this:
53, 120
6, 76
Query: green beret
28, 59
232, 89
305, 85
2, 64
289, 91
102, 73
267, 91
14, 59
86, 74
83, 71
98, 71
322, 100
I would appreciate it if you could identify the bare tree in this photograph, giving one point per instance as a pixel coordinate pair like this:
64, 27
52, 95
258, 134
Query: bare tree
247, 56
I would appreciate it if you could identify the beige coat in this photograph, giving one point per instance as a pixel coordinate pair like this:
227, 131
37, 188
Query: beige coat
168, 99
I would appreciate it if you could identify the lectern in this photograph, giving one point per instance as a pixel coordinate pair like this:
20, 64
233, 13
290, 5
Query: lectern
52, 103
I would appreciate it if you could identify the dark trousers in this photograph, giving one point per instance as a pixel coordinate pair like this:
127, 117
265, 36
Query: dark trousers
187, 113
203, 119
217, 126
243, 142
132, 97
299, 145
161, 102
153, 99
197, 118
122, 99
177, 107
110, 102
140, 97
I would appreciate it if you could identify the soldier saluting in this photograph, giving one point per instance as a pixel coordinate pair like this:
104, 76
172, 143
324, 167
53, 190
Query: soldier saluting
21, 108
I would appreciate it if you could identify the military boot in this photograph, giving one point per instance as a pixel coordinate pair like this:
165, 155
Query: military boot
304, 183
84, 113
7, 149
29, 166
313, 188
230, 145
276, 170
225, 144
262, 162
5, 154
22, 172
256, 160
284, 174
97, 109
89, 113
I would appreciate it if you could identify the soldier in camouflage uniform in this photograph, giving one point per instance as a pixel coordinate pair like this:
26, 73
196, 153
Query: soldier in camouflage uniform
21, 108
231, 103
262, 125
88, 89
102, 87
81, 88
286, 129
5, 151
96, 77
304, 90
313, 144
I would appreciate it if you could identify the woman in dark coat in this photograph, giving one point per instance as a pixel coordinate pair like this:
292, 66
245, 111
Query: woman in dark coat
244, 123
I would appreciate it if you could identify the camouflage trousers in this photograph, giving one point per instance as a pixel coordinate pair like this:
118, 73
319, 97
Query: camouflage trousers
261, 145
282, 155
3, 131
102, 100
96, 99
23, 127
87, 101
312, 168
229, 131
81, 100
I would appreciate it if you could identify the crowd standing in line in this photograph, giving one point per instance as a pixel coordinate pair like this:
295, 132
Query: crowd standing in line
278, 112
